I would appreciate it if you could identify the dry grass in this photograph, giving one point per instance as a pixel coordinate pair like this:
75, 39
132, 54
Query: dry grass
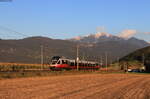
21, 66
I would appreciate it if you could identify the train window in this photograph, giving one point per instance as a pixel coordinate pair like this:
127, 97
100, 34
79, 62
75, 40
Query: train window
85, 64
58, 62
64, 62
80, 64
55, 57
54, 62
92, 64
89, 64
75, 63
72, 64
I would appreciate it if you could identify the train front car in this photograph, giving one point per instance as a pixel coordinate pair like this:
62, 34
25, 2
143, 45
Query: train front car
59, 63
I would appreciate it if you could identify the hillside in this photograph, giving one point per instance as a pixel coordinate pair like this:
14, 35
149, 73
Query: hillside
28, 50
141, 55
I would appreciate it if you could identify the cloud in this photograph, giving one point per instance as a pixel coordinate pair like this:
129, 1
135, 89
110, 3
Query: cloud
128, 33
146, 32
77, 38
100, 29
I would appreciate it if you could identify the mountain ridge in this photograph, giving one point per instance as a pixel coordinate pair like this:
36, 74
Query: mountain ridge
28, 50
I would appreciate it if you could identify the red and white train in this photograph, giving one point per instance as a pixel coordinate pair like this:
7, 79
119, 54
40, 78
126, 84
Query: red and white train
60, 63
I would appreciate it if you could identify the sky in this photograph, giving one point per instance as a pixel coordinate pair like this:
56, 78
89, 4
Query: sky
62, 19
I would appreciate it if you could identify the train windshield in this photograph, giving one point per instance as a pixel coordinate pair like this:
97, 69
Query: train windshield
55, 59
54, 62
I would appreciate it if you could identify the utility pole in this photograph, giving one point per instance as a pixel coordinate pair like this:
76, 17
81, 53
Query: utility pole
77, 57
101, 60
106, 56
83, 58
42, 57
118, 62
143, 58
143, 61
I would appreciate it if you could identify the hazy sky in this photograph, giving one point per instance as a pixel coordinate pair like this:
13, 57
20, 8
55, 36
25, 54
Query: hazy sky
69, 18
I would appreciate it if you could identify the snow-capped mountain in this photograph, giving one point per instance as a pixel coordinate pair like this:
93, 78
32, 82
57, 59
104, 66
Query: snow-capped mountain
98, 37
105, 37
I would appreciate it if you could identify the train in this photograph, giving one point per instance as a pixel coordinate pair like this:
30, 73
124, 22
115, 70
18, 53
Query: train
62, 63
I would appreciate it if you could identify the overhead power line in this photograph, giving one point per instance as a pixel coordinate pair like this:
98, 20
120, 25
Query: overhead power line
12, 31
